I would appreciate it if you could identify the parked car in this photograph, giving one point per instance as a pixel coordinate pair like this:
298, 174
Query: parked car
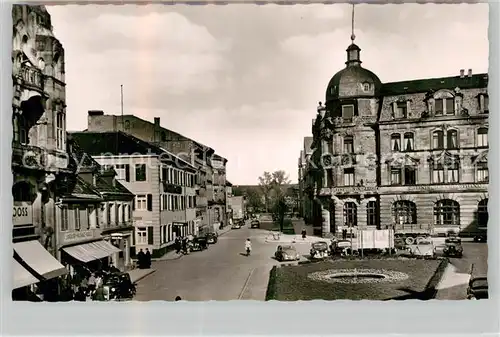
453, 247
481, 235
424, 246
236, 225
286, 253
319, 250
340, 246
255, 223
212, 238
478, 288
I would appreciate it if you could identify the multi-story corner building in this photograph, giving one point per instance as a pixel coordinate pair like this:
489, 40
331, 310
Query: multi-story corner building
305, 186
195, 153
39, 154
404, 153
163, 185
217, 201
95, 223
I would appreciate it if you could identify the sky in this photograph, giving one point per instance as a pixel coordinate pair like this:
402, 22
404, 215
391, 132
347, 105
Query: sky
246, 79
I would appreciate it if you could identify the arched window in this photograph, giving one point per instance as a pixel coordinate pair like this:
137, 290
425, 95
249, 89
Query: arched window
350, 214
447, 212
438, 139
408, 144
395, 142
482, 213
482, 137
452, 139
372, 214
404, 212
23, 191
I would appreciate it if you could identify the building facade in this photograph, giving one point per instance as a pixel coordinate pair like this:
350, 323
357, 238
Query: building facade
305, 184
407, 153
163, 184
210, 209
39, 154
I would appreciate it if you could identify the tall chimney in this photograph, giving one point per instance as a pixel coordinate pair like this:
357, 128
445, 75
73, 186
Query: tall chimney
469, 74
462, 71
156, 128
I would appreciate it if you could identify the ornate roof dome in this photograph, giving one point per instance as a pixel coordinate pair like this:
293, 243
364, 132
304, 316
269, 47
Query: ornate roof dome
354, 80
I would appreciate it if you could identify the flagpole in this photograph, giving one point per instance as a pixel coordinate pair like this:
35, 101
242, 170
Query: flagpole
121, 104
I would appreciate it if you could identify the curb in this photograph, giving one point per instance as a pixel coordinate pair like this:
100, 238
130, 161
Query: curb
143, 276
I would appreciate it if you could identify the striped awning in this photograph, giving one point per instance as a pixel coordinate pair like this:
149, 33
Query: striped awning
92, 251
22, 277
39, 259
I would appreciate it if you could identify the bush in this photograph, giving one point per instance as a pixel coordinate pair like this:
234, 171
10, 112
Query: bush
290, 283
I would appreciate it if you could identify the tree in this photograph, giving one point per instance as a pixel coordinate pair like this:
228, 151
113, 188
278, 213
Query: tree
273, 186
254, 199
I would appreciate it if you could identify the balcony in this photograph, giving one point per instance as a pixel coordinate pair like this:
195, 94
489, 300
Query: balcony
36, 158
171, 188
32, 77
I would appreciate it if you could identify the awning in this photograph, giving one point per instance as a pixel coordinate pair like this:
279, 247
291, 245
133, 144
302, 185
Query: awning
40, 260
92, 251
22, 277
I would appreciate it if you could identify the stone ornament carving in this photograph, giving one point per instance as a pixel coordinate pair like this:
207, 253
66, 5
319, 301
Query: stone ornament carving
326, 134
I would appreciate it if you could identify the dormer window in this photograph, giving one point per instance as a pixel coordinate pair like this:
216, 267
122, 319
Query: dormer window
400, 109
366, 86
444, 106
484, 103
348, 113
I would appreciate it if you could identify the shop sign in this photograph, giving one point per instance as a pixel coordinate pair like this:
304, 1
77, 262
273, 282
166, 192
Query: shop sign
77, 236
22, 213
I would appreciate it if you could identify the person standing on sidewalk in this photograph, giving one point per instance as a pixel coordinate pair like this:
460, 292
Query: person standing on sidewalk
147, 258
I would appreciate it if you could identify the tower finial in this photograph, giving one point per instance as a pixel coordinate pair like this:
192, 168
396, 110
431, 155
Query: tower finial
352, 25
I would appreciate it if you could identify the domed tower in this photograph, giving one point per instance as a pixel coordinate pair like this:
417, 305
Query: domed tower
347, 142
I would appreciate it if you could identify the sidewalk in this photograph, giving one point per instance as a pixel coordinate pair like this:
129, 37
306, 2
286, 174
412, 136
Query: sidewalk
138, 274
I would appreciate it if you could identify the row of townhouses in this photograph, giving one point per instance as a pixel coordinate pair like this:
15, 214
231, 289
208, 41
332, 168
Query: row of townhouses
406, 153
92, 199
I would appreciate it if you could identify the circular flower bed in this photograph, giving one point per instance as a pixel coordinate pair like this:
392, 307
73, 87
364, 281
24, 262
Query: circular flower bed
358, 276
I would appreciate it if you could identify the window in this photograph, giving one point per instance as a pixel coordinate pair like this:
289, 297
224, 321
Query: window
126, 213
438, 140
401, 110
140, 172
410, 175
119, 214
452, 172
64, 218
437, 173
445, 106
20, 129
329, 146
348, 113
482, 172
350, 214
93, 217
482, 137
329, 177
348, 144
120, 172
60, 131
349, 176
404, 212
395, 142
141, 202
76, 209
141, 235
482, 213
395, 176
366, 87
452, 139
484, 103
371, 214
447, 212
408, 144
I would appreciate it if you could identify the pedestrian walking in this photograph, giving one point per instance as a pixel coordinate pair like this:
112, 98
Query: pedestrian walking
92, 282
344, 234
304, 233
178, 244
184, 245
147, 258
140, 259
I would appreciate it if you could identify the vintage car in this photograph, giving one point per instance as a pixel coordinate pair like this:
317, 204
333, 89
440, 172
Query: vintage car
422, 247
478, 288
286, 253
340, 246
453, 247
255, 223
319, 250
236, 225
199, 243
481, 235
211, 238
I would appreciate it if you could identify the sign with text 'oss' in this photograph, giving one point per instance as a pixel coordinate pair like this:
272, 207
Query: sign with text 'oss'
22, 214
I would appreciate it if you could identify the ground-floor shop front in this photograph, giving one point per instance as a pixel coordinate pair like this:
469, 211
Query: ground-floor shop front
443, 213
36, 273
